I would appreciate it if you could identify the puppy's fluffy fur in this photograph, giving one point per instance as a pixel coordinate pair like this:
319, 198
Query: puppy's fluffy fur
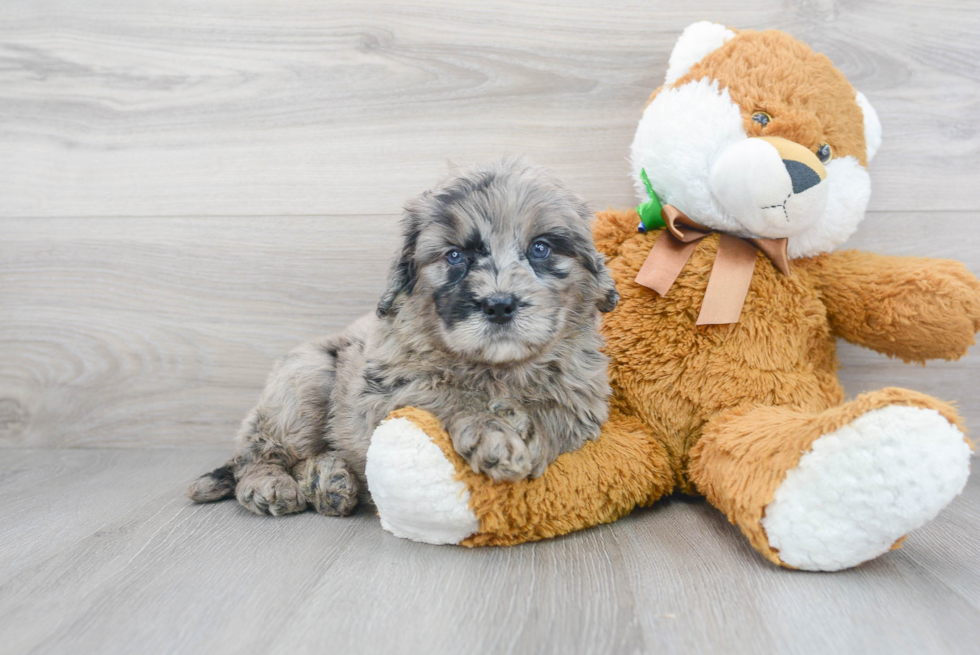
489, 321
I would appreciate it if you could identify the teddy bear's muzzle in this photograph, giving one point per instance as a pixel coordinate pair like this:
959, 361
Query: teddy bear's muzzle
774, 187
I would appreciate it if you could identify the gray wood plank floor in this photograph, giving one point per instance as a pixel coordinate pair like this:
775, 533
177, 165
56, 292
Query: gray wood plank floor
187, 190
100, 553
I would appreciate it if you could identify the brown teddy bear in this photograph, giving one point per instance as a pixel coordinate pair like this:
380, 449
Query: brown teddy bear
723, 358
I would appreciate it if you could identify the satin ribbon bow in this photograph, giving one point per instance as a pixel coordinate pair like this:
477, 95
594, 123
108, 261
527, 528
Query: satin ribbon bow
730, 275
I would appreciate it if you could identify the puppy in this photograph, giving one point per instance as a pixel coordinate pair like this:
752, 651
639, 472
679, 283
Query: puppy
489, 321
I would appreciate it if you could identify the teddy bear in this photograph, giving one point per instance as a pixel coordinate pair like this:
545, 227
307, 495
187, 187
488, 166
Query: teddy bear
751, 164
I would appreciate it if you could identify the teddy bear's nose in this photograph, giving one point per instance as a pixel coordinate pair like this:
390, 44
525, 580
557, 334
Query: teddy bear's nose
805, 170
772, 186
802, 176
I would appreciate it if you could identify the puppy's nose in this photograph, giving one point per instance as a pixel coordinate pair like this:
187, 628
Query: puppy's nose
803, 176
500, 307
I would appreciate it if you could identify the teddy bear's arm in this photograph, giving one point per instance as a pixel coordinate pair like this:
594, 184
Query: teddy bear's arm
426, 492
914, 308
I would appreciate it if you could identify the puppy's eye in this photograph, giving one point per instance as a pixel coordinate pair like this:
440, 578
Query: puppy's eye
540, 250
824, 153
762, 118
455, 257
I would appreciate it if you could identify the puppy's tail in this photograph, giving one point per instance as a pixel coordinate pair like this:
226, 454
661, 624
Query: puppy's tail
216, 485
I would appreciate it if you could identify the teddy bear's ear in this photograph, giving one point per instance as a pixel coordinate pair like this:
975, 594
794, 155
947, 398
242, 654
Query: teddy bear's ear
872, 126
694, 44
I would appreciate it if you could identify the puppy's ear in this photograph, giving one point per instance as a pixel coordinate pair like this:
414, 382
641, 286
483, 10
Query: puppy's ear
608, 295
402, 274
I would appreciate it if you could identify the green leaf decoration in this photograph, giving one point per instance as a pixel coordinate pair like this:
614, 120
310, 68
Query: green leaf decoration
650, 210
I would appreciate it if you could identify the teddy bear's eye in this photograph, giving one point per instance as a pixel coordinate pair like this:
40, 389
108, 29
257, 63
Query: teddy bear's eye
762, 118
824, 153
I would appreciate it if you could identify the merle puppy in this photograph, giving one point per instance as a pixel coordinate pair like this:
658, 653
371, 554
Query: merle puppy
489, 321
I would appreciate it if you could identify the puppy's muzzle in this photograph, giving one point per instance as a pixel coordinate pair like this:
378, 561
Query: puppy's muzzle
774, 187
500, 308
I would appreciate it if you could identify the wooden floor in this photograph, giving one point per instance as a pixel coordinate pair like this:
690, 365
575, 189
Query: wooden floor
101, 553
188, 189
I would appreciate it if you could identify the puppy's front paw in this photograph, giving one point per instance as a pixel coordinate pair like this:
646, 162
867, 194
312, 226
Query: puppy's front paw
270, 492
329, 484
492, 446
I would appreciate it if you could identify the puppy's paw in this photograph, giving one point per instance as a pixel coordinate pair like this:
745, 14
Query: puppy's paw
492, 446
512, 415
270, 491
328, 483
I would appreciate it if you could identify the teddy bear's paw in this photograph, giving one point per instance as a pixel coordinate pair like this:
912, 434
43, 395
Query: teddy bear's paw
415, 488
861, 488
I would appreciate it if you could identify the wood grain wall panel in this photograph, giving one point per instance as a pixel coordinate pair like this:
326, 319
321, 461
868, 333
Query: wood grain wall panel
160, 331
307, 108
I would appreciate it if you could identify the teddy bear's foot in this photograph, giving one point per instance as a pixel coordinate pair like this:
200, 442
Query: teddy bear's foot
414, 486
831, 490
864, 486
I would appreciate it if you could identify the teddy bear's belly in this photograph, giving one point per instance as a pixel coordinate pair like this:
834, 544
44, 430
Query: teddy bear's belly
677, 375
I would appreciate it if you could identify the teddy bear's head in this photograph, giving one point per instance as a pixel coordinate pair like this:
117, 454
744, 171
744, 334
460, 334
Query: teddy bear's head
755, 134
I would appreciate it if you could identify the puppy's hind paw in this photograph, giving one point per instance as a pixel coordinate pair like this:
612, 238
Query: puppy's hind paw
216, 485
328, 483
